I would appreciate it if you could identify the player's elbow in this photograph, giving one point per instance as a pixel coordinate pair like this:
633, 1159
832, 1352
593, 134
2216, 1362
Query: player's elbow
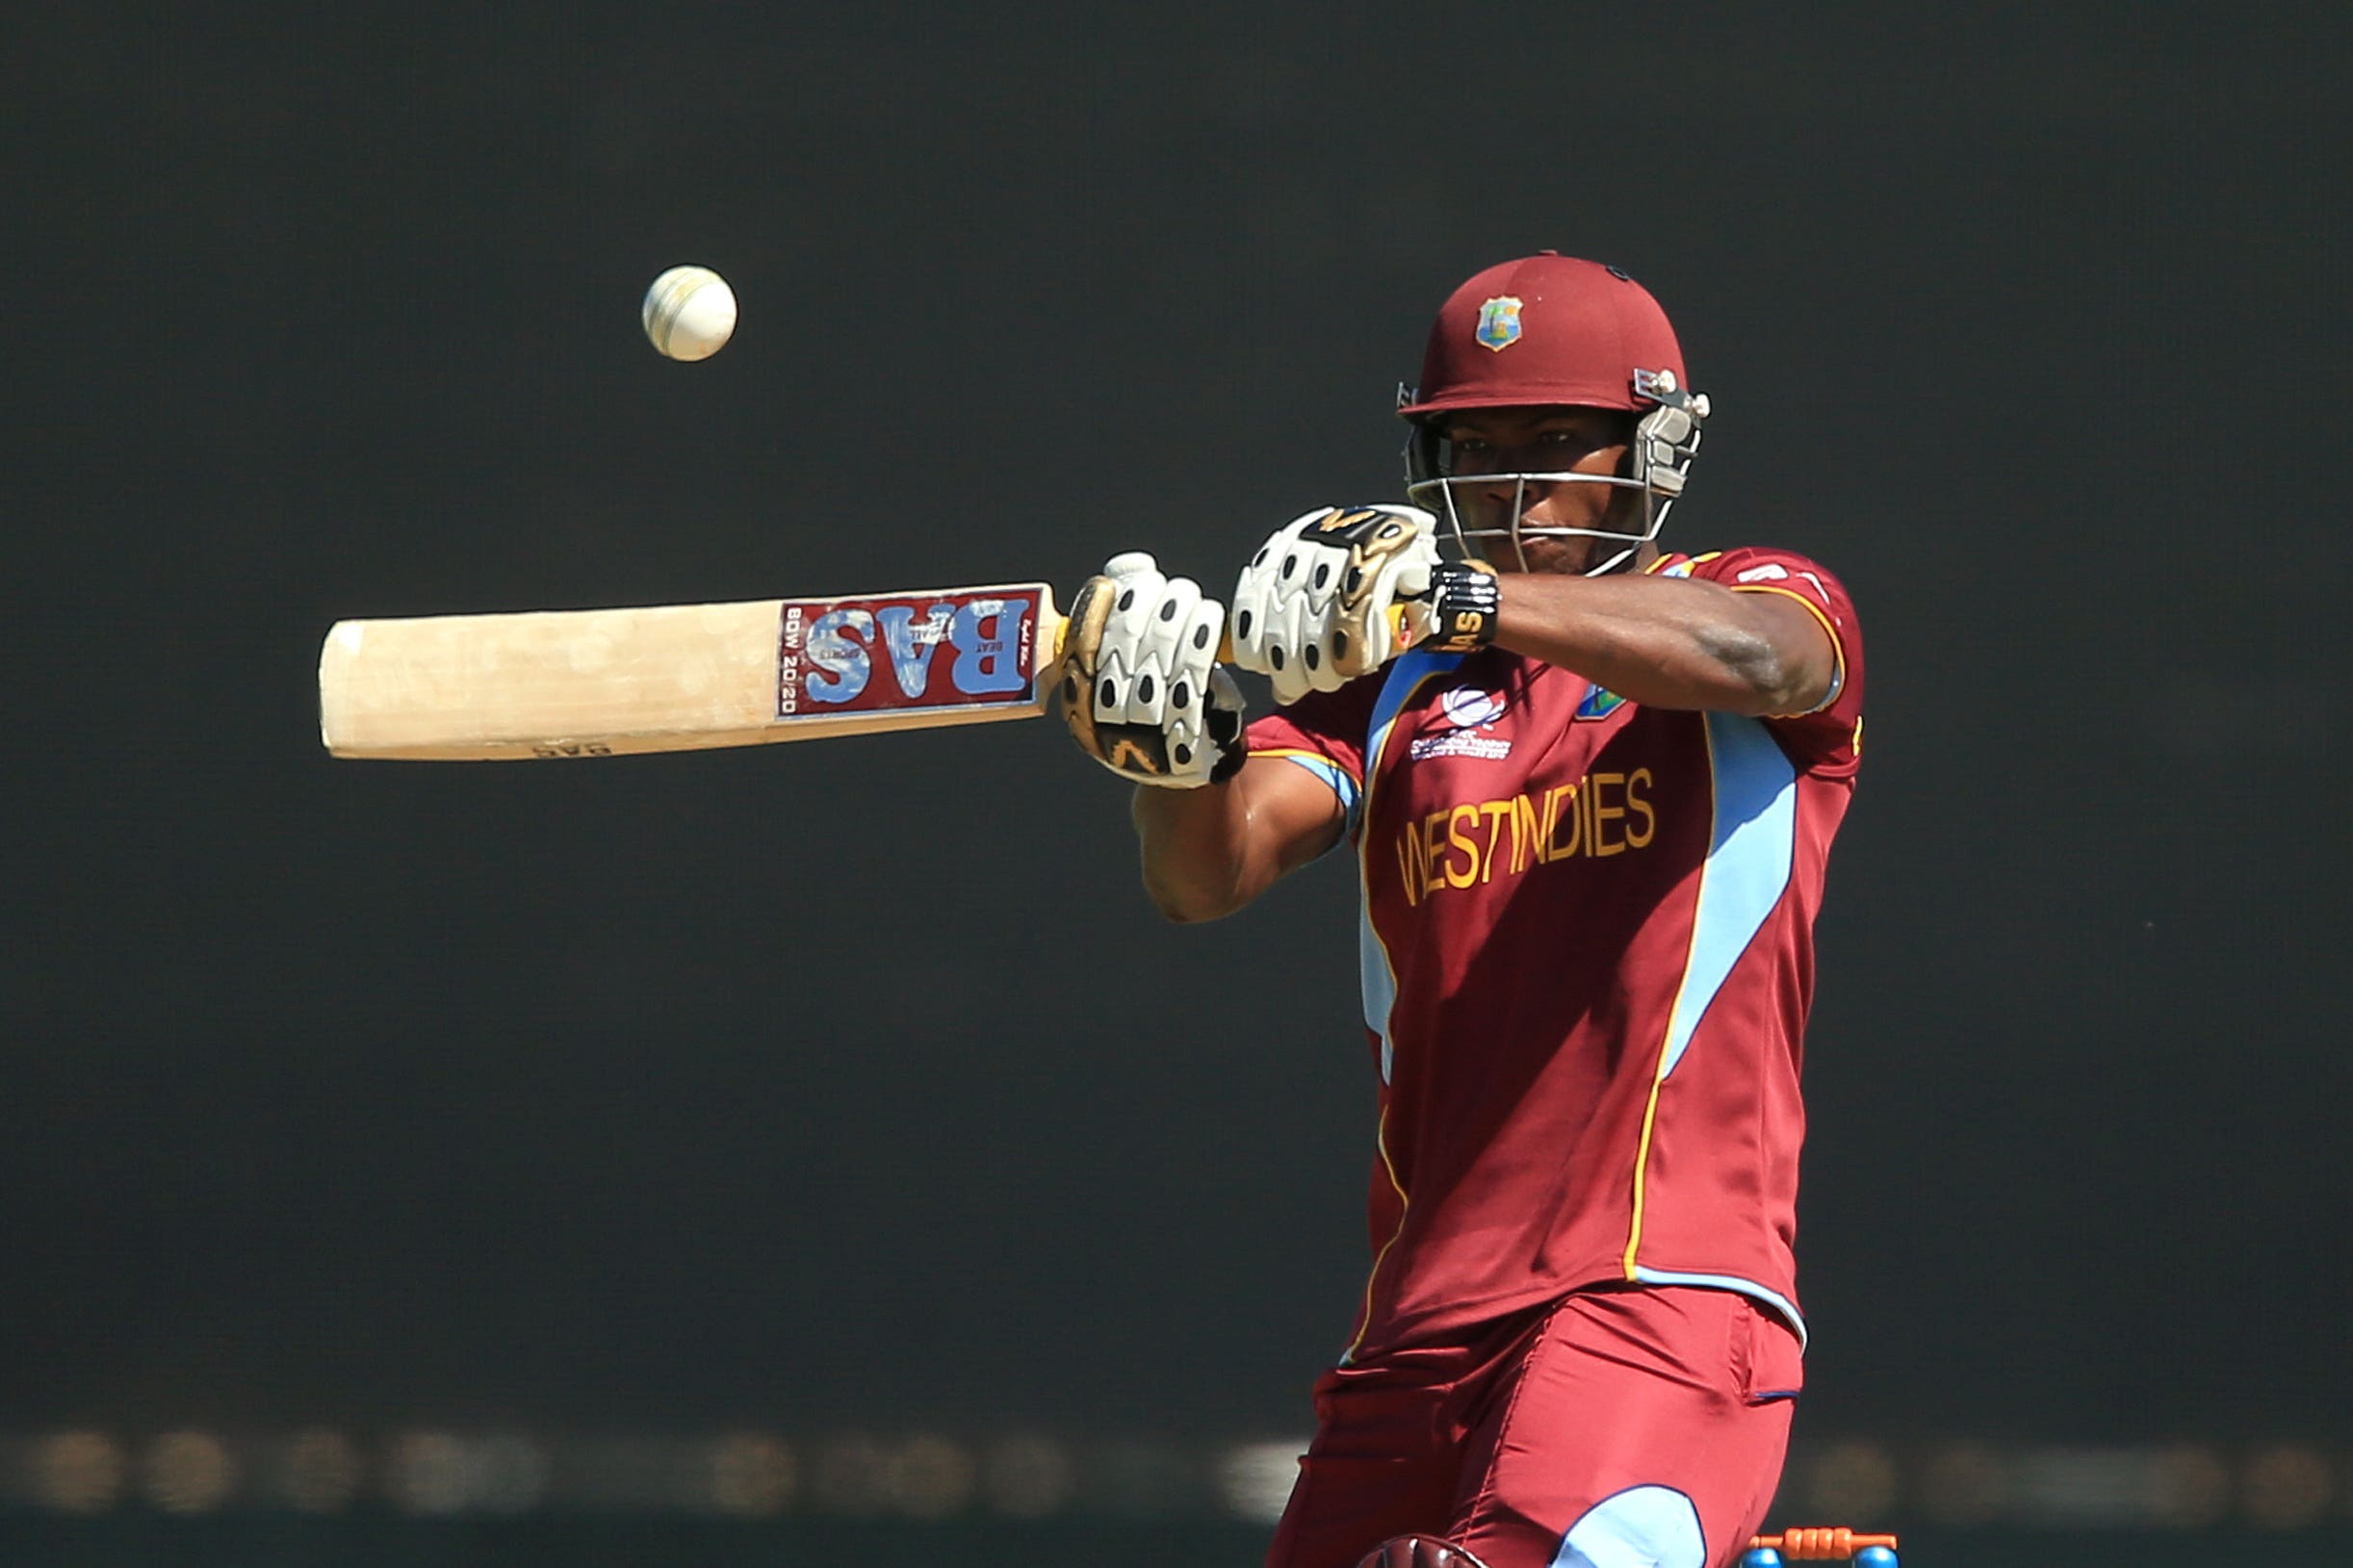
1755, 675
1189, 900
1181, 914
1766, 696
1192, 883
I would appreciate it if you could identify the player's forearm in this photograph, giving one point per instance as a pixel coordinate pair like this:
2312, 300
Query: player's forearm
1208, 852
1664, 642
1197, 851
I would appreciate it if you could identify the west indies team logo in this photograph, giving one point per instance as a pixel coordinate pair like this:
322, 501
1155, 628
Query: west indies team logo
1598, 704
1499, 323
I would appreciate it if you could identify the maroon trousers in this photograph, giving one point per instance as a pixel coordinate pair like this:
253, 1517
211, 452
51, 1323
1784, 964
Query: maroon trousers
1622, 1425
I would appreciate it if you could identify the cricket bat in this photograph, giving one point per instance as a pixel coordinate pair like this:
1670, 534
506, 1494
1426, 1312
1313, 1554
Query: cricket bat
671, 677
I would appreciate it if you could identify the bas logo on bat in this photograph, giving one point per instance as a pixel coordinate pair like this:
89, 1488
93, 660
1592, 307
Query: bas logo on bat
934, 650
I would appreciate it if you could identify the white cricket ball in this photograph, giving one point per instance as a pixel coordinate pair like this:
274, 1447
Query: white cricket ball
690, 313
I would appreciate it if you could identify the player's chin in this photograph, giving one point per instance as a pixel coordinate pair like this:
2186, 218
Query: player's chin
1570, 557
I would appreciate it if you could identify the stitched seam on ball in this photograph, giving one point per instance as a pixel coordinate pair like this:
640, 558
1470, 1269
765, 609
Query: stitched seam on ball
674, 306
672, 303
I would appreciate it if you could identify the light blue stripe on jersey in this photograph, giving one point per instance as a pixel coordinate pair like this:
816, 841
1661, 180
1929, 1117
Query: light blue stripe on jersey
1337, 781
1747, 867
1780, 1303
1373, 975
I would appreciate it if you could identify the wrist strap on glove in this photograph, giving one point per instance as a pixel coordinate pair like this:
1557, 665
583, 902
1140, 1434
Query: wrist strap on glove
1465, 603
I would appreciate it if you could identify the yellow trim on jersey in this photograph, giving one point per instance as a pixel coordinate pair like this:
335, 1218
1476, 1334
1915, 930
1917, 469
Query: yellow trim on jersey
1658, 1071
1641, 1152
1670, 561
1364, 1324
1838, 645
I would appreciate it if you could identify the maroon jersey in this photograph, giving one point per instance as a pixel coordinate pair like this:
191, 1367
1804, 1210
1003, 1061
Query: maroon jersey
1587, 950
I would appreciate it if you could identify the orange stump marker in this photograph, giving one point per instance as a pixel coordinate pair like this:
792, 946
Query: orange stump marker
1820, 1545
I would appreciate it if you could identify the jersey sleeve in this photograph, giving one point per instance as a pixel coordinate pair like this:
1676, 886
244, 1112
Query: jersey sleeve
1323, 733
1828, 739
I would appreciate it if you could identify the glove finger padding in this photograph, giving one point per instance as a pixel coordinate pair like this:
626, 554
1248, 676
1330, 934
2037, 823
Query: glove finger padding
1140, 688
1142, 641
1332, 596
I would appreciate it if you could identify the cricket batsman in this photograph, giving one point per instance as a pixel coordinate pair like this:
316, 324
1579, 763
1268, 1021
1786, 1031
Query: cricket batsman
1590, 786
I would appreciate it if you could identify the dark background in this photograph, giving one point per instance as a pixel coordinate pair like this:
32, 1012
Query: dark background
859, 1083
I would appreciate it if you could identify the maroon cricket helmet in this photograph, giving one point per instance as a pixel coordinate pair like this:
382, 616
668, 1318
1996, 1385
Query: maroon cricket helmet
1545, 329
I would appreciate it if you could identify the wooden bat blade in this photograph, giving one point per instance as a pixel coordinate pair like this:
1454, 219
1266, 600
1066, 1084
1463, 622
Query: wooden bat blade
561, 683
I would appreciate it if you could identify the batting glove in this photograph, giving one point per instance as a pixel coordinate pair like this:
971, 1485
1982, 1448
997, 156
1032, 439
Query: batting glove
1333, 595
1140, 688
